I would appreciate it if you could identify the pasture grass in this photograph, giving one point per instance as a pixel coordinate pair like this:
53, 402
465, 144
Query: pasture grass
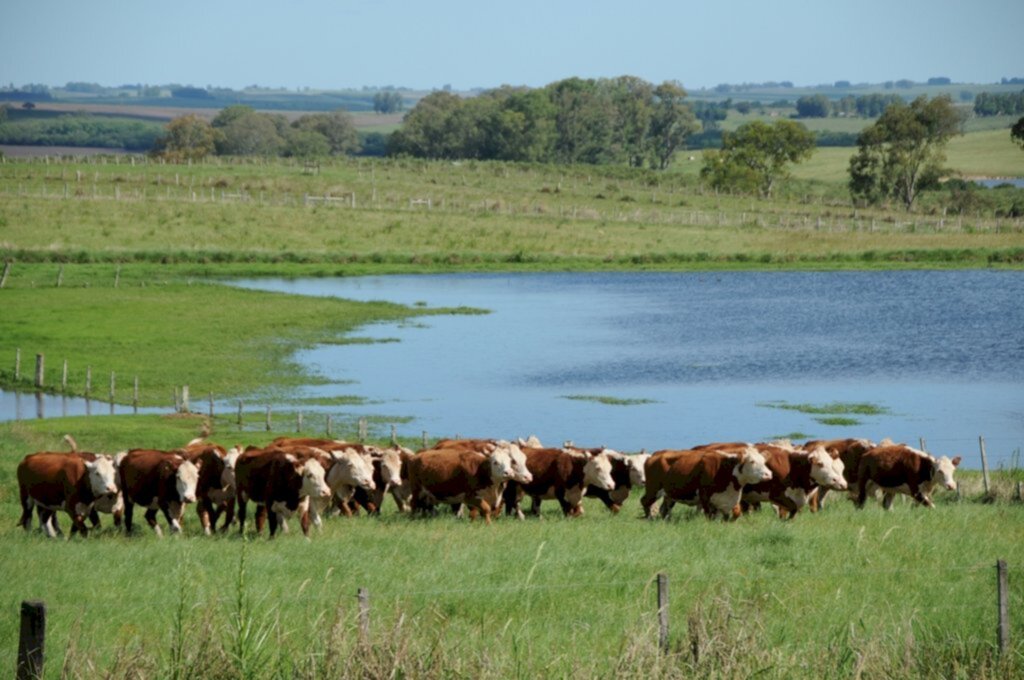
214, 338
842, 593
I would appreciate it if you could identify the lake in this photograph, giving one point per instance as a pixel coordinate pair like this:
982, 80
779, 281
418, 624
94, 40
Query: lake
686, 358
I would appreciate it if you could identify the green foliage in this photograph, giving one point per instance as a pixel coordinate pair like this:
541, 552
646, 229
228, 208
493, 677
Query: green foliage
1017, 132
388, 101
999, 104
79, 130
187, 138
813, 106
335, 128
610, 401
756, 155
902, 153
837, 407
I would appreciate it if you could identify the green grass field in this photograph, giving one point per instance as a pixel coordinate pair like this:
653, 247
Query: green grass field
842, 593
838, 594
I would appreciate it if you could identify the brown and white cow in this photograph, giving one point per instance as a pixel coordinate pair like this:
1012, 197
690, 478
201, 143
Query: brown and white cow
491, 447
350, 470
61, 481
796, 476
901, 469
159, 481
388, 464
457, 476
848, 451
560, 474
280, 484
708, 478
215, 489
627, 473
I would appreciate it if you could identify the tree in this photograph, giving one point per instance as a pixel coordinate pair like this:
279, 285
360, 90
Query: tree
755, 156
250, 134
902, 152
187, 138
672, 122
1017, 132
336, 127
816, 106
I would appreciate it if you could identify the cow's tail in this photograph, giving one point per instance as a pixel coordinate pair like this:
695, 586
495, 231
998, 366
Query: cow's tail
70, 441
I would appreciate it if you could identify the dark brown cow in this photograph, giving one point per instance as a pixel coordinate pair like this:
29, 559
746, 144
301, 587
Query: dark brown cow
849, 451
63, 481
560, 474
458, 476
902, 469
280, 484
160, 481
215, 489
708, 478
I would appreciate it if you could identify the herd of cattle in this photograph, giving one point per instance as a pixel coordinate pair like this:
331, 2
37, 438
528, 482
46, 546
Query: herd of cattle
307, 477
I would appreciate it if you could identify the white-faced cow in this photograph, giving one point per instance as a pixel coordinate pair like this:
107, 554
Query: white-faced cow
215, 489
560, 474
458, 475
708, 478
280, 484
796, 476
62, 481
901, 469
159, 481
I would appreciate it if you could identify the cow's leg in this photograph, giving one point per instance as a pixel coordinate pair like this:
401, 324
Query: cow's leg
129, 512
816, 500
887, 498
174, 512
229, 514
272, 517
94, 518
917, 493
151, 521
204, 509
261, 517
304, 522
241, 515
26, 507
862, 493
666, 507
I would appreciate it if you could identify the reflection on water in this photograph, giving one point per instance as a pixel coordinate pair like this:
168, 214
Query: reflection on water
942, 352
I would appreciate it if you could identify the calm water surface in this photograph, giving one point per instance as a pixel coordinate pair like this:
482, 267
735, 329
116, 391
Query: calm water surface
942, 351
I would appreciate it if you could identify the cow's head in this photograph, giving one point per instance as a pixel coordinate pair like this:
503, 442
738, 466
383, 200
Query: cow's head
826, 472
391, 467
752, 468
598, 472
944, 469
636, 462
185, 480
500, 462
102, 476
517, 461
227, 476
313, 483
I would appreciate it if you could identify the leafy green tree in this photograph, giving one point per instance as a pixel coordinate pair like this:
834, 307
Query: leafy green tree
336, 127
301, 143
583, 121
814, 106
757, 154
252, 134
187, 138
427, 131
631, 99
672, 122
1017, 132
902, 152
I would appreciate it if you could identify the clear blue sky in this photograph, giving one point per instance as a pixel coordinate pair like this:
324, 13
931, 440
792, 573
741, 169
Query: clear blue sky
476, 43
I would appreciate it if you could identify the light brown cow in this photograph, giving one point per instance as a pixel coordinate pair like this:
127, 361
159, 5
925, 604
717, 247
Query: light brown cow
158, 481
708, 478
901, 469
61, 481
459, 476
559, 474
796, 476
627, 472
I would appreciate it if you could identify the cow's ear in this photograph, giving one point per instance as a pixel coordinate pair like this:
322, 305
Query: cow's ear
956, 461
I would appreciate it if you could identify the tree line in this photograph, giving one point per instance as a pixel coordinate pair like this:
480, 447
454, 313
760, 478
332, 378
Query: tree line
623, 120
990, 104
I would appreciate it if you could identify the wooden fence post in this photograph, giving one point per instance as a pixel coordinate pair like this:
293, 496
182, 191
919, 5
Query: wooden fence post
117, 276
362, 429
1003, 597
268, 419
64, 377
88, 381
424, 439
184, 399
60, 276
32, 642
239, 414
7, 271
40, 361
298, 421
663, 613
17, 364
329, 425
112, 384
394, 436
984, 464
364, 614
211, 405
135, 395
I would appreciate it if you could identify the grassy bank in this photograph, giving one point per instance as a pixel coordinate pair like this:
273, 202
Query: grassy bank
170, 332
906, 594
